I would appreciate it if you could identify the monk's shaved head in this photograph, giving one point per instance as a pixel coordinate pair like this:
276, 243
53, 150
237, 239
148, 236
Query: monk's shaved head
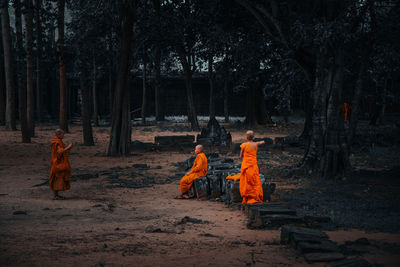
59, 131
200, 148
250, 135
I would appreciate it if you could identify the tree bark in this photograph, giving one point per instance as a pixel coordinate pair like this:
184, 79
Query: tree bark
39, 96
2, 84
120, 138
192, 115
189, 66
356, 102
86, 121
63, 79
226, 95
28, 17
110, 75
160, 116
327, 153
211, 82
26, 136
95, 94
381, 111
10, 90
144, 94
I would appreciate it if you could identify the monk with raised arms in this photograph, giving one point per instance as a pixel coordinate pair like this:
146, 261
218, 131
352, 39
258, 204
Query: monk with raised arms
60, 172
199, 169
250, 182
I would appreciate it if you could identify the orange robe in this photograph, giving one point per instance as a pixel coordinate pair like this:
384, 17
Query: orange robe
60, 172
235, 177
250, 182
199, 169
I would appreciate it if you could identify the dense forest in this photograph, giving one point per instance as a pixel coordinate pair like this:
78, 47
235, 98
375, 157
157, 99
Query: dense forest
79, 58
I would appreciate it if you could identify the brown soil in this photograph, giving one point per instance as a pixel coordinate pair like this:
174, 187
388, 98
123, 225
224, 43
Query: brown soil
101, 225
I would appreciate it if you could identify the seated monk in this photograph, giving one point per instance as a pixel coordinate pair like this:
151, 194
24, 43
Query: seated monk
199, 169
250, 183
60, 172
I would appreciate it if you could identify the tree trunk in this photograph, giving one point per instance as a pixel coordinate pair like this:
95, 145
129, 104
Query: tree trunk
382, 107
144, 95
26, 137
10, 90
261, 114
250, 106
160, 116
2, 84
86, 121
95, 95
28, 17
327, 153
192, 115
211, 82
110, 75
226, 95
309, 114
355, 110
39, 97
120, 138
63, 79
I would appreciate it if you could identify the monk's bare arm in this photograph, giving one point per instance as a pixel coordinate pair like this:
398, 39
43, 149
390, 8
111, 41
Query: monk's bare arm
260, 143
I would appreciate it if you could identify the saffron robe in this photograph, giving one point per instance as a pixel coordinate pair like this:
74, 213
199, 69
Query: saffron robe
60, 172
199, 169
250, 183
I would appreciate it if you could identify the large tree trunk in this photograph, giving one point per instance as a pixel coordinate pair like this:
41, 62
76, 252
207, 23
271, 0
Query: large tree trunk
63, 79
382, 107
120, 138
86, 121
39, 97
211, 82
2, 84
327, 153
110, 75
95, 95
256, 111
160, 116
192, 115
226, 96
250, 106
355, 111
26, 136
305, 135
10, 90
144, 94
28, 17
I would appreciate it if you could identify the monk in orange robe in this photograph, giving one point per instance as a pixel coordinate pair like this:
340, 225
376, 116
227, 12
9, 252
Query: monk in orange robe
199, 169
250, 183
60, 172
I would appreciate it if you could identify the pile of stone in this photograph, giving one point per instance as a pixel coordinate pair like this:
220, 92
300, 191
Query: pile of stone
214, 135
214, 185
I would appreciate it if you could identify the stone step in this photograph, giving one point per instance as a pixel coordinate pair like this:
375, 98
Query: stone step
288, 232
260, 212
323, 257
323, 245
274, 221
201, 188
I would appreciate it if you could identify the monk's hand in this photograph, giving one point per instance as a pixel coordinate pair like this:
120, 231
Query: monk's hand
187, 173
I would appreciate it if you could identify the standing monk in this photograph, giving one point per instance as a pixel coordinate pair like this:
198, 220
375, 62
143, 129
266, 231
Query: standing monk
199, 169
250, 183
60, 172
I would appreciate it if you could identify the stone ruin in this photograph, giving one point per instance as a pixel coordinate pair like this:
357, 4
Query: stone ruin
214, 135
214, 185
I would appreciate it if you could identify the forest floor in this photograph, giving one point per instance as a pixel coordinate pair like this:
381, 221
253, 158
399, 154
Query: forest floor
121, 214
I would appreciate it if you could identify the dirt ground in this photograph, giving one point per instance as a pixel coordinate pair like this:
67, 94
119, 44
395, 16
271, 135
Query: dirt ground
106, 223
